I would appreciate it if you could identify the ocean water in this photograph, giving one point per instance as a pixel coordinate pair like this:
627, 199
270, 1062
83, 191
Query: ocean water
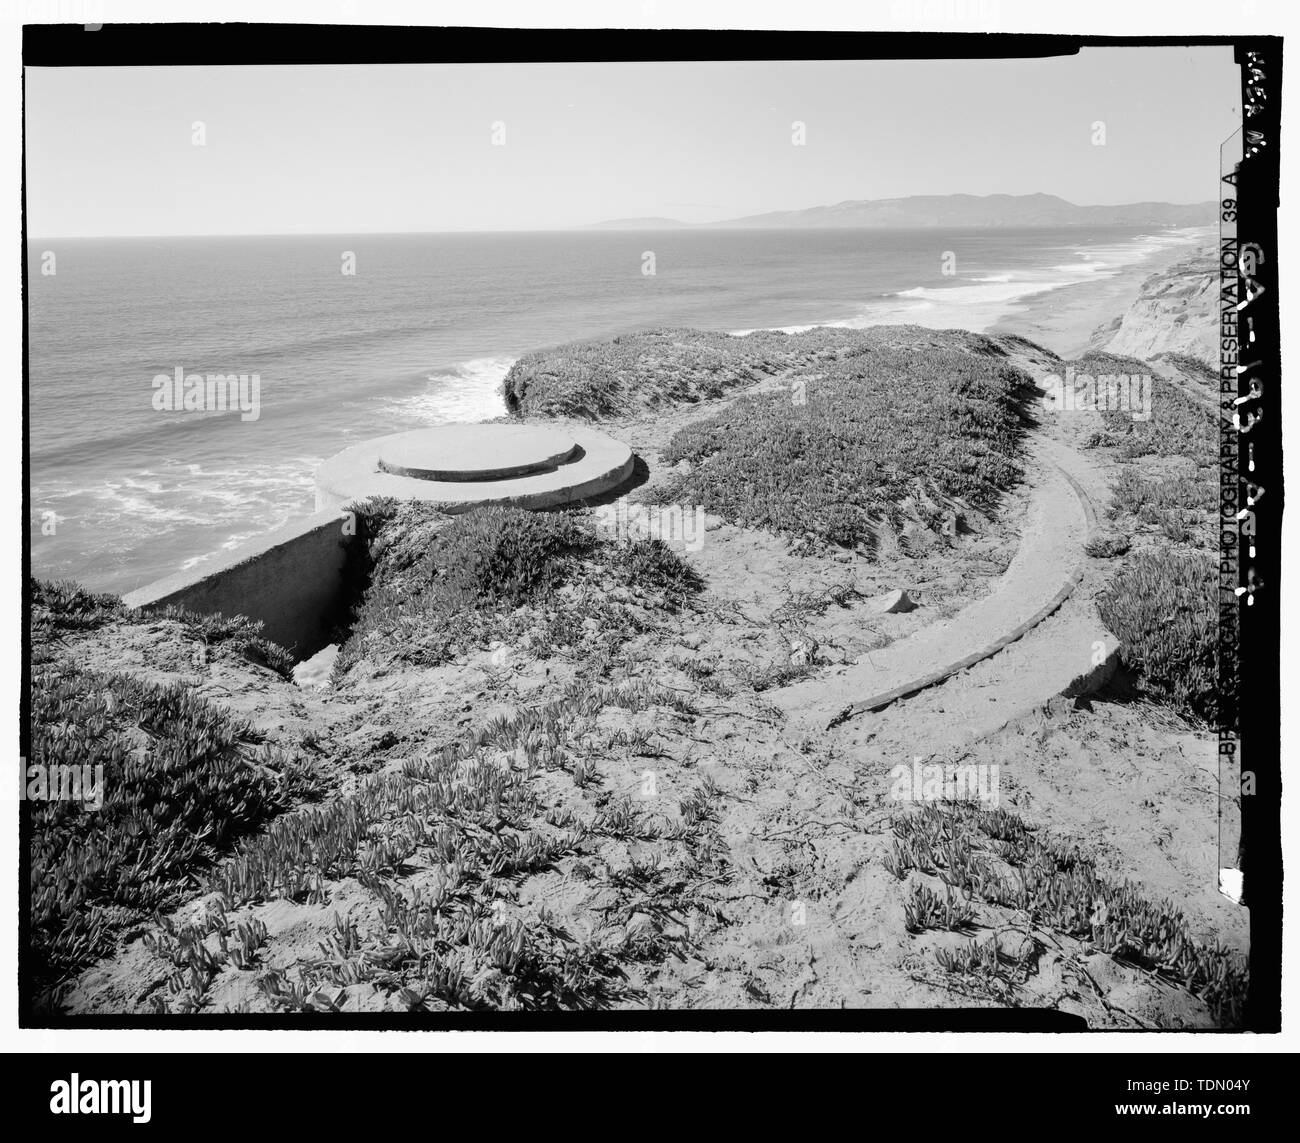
123, 493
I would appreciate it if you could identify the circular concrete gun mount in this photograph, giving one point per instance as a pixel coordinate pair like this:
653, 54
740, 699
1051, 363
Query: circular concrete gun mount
458, 467
469, 453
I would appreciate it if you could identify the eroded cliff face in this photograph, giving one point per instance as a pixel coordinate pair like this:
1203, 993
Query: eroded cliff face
1176, 312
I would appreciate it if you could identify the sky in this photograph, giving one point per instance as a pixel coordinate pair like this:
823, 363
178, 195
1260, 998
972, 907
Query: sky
319, 150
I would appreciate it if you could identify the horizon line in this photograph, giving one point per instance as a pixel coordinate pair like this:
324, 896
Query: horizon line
586, 228
719, 224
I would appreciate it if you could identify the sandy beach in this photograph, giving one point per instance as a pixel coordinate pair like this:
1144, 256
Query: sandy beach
1064, 320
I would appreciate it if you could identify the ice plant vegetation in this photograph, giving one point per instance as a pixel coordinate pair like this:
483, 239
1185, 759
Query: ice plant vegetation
1161, 602
439, 587
884, 438
995, 858
181, 778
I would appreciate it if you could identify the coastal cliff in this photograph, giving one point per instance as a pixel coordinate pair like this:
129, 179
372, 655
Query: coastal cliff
1173, 313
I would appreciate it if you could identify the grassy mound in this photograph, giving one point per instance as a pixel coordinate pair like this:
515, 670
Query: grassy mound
442, 588
643, 370
879, 437
654, 368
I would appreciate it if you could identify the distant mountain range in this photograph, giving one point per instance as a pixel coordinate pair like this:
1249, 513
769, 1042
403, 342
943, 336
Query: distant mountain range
992, 210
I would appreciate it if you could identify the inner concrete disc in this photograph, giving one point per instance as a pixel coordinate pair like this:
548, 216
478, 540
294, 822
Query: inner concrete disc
475, 452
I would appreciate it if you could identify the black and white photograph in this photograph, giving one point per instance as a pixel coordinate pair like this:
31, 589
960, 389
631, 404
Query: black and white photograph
693, 529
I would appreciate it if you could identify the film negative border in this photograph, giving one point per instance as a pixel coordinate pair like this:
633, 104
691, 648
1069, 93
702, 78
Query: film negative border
1250, 427
1251, 494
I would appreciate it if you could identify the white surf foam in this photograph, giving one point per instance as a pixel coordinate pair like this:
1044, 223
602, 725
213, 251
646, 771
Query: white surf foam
467, 391
983, 301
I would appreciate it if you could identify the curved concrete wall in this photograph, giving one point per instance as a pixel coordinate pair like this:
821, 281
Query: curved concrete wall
291, 579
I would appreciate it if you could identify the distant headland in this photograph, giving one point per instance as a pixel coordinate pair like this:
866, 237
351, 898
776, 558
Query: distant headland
993, 210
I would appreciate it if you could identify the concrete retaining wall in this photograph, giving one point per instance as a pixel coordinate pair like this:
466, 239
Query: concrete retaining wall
291, 579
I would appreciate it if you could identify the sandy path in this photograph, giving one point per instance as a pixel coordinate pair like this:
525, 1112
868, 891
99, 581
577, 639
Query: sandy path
1039, 580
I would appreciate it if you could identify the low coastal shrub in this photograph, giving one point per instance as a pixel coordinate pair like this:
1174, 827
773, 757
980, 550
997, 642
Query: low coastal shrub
502, 556
1162, 607
1162, 603
236, 633
651, 564
774, 675
1178, 425
64, 608
164, 781
925, 909
975, 959
1107, 545
881, 436
131, 787
998, 858
434, 581
1181, 507
1194, 366
1142, 495
443, 587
